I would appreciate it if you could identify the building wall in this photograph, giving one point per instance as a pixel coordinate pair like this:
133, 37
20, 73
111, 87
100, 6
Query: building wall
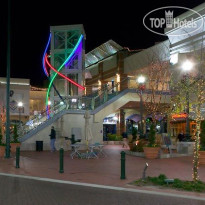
37, 101
19, 93
63, 128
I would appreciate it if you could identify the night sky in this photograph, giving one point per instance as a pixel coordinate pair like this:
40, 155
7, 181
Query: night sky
102, 20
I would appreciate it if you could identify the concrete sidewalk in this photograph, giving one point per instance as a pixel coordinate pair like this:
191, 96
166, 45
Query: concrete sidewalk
102, 171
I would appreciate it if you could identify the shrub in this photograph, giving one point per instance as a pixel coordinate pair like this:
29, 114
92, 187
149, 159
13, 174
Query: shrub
15, 137
139, 146
197, 186
151, 136
114, 137
134, 134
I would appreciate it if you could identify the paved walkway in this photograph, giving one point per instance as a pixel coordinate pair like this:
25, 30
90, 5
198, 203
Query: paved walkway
102, 171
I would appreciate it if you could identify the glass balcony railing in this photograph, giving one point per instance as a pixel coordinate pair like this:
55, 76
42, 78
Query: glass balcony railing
89, 102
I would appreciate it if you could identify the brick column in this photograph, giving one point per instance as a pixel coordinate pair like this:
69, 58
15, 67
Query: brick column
88, 90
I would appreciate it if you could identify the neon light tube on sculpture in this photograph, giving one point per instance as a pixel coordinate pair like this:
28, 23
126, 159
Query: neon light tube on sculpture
63, 76
66, 61
44, 54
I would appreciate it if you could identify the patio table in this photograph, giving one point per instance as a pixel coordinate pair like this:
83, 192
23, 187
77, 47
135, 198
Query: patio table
75, 150
91, 153
101, 152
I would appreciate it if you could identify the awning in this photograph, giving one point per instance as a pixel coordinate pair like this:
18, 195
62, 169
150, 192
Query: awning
134, 117
158, 117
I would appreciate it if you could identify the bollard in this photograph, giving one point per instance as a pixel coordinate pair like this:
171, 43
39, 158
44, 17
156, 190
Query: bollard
122, 165
61, 160
17, 157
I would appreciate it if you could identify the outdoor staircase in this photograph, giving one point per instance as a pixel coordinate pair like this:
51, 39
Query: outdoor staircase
99, 105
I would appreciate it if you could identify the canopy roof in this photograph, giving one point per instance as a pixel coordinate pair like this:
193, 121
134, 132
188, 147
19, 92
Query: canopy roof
101, 52
134, 117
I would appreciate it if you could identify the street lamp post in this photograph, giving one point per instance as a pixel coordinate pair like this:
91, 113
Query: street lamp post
8, 83
20, 105
187, 66
141, 80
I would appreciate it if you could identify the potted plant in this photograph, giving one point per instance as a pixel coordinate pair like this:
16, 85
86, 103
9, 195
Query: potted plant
15, 143
202, 144
2, 145
134, 138
151, 150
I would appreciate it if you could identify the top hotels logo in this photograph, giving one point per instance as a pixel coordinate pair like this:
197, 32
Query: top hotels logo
163, 18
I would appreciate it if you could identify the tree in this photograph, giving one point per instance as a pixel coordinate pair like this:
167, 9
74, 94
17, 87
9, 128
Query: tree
15, 136
1, 137
155, 99
191, 88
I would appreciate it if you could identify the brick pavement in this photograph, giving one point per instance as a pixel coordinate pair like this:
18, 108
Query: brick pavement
104, 171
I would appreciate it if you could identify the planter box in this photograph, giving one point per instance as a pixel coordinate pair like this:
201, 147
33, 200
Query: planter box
14, 146
114, 142
151, 152
137, 154
201, 157
2, 151
185, 147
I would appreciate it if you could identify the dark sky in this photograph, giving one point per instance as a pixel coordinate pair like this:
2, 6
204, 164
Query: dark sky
102, 20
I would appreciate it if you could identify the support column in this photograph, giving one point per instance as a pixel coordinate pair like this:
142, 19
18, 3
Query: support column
88, 89
122, 121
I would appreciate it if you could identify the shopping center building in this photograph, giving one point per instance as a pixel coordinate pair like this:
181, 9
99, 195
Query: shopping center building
106, 85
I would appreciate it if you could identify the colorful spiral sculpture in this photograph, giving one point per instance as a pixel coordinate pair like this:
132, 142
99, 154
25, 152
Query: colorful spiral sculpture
68, 61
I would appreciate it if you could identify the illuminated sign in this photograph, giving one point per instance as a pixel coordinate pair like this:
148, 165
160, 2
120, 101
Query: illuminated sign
182, 115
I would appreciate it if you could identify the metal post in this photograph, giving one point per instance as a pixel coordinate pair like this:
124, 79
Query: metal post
141, 114
105, 97
61, 160
93, 103
19, 115
17, 157
122, 165
8, 86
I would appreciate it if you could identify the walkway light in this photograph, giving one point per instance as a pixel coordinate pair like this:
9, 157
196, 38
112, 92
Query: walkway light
20, 104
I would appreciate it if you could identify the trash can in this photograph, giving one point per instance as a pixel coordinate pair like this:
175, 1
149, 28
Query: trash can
39, 146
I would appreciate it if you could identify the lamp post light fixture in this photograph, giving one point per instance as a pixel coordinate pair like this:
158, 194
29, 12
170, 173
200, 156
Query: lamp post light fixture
141, 81
20, 105
187, 67
144, 171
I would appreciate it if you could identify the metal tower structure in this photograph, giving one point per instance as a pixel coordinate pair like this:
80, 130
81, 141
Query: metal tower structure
67, 55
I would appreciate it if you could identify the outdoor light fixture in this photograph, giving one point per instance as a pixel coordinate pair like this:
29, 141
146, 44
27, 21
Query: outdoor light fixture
144, 171
61, 103
115, 118
187, 65
141, 79
174, 59
20, 104
74, 100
